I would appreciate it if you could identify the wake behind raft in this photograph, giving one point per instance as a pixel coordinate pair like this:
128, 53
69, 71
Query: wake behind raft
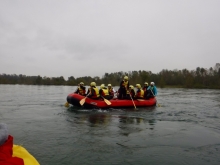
75, 99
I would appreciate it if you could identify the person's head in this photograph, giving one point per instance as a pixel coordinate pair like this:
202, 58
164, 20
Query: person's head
131, 87
92, 84
109, 85
81, 83
3, 133
126, 78
138, 86
152, 83
145, 84
102, 86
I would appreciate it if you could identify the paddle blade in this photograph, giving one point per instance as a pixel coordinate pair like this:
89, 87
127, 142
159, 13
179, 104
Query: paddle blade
82, 101
107, 102
158, 105
66, 104
140, 100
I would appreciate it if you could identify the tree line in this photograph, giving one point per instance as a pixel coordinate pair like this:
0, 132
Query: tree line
198, 78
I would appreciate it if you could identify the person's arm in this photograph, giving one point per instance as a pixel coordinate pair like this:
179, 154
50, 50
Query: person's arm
77, 91
155, 91
89, 91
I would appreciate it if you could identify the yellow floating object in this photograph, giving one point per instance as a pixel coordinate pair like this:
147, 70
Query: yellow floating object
21, 152
66, 104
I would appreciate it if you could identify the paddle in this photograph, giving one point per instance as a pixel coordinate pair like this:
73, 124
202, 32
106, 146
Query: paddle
156, 99
106, 101
66, 104
83, 100
132, 101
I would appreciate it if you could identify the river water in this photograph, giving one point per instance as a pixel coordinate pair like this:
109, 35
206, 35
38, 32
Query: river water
185, 130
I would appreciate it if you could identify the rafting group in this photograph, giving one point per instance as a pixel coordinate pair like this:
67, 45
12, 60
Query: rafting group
125, 91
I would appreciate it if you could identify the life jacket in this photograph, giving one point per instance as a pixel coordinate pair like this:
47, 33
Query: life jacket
82, 91
105, 92
140, 93
96, 94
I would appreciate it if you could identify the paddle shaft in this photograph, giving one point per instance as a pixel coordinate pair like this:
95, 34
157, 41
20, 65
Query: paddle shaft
155, 98
132, 100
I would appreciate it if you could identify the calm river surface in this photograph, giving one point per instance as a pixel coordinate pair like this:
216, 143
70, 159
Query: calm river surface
185, 130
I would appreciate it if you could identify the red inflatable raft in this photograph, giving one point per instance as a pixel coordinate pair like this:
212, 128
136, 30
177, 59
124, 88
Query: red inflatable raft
74, 99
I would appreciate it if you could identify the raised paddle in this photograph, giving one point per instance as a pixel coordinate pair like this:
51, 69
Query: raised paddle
106, 101
156, 99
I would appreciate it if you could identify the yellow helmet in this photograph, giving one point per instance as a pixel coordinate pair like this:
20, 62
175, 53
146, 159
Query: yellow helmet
102, 86
81, 83
138, 86
109, 85
131, 86
93, 84
126, 78
145, 83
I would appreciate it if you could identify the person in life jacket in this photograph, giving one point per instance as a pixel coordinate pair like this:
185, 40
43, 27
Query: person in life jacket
140, 92
130, 92
111, 91
145, 89
81, 90
93, 91
11, 154
124, 85
151, 90
103, 91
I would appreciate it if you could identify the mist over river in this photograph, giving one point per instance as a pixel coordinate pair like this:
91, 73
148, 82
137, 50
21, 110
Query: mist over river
185, 130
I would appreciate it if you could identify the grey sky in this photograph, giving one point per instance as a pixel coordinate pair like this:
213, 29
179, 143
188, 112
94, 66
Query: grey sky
91, 37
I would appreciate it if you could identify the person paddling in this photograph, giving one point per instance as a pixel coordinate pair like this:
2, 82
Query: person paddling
145, 89
93, 91
81, 90
151, 90
140, 92
130, 92
112, 92
103, 91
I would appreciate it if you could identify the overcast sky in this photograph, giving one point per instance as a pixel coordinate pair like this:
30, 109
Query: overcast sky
92, 37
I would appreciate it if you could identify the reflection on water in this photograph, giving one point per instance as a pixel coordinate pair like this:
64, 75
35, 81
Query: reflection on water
185, 130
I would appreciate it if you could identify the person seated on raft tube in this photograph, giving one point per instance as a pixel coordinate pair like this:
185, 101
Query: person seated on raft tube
140, 92
111, 91
124, 85
145, 89
93, 91
151, 91
103, 91
81, 90
130, 92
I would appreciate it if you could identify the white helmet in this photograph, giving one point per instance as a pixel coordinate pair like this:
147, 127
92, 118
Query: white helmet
152, 83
